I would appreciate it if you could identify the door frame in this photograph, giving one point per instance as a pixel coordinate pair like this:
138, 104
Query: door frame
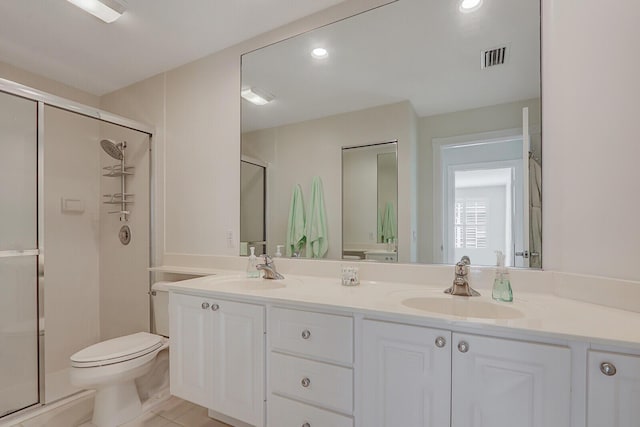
440, 209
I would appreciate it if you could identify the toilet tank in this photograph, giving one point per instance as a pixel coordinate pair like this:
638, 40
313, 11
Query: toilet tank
160, 304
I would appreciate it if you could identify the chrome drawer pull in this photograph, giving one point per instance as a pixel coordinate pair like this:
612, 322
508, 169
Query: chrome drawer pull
463, 346
441, 342
306, 334
205, 305
608, 369
306, 425
215, 307
306, 382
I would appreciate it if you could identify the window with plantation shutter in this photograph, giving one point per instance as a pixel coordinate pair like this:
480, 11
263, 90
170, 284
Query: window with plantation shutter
471, 219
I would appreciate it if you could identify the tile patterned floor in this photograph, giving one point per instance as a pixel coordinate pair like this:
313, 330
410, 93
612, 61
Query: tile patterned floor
174, 412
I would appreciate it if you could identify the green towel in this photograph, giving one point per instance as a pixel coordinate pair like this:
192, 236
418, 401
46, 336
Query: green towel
296, 237
317, 244
389, 223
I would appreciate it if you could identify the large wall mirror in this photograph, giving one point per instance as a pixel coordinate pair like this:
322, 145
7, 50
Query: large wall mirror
455, 91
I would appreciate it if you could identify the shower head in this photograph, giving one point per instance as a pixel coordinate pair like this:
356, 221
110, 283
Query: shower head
112, 149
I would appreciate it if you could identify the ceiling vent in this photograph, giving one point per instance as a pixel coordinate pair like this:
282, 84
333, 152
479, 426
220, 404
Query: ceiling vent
493, 57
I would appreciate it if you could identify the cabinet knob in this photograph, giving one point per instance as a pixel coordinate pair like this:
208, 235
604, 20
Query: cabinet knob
205, 305
306, 334
463, 346
306, 425
306, 382
215, 307
441, 342
608, 369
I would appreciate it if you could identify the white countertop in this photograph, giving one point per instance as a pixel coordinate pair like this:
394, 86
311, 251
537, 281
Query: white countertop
540, 314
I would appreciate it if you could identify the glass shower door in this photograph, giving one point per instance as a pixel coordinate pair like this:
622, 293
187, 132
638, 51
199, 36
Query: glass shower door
19, 386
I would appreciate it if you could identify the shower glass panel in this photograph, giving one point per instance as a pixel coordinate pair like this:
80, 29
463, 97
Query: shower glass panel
18, 254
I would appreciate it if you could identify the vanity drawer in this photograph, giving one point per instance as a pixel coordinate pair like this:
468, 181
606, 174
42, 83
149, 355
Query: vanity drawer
289, 413
319, 383
318, 335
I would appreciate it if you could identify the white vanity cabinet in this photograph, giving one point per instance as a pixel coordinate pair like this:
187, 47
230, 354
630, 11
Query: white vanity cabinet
310, 369
613, 390
217, 355
506, 383
419, 377
406, 375
381, 256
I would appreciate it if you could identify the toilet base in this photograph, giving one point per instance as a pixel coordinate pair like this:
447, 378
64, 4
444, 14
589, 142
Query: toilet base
116, 404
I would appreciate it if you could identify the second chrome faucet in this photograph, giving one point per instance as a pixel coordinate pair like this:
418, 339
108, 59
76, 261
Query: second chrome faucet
269, 269
460, 284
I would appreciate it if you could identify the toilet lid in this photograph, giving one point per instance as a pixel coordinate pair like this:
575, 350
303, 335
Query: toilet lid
117, 350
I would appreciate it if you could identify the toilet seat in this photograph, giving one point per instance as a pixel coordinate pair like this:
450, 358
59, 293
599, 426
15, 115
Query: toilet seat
117, 350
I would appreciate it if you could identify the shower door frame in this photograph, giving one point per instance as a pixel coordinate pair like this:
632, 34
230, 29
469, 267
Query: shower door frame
46, 99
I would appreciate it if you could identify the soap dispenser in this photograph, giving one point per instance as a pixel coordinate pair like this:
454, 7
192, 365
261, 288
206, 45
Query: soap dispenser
252, 264
501, 284
278, 253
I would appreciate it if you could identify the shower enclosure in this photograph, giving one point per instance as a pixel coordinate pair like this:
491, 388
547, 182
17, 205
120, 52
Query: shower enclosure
18, 254
52, 188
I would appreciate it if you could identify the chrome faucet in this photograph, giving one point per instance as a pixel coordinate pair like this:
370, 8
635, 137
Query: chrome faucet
461, 282
269, 269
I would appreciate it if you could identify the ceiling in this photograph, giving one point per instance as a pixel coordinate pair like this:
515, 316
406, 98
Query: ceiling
55, 39
426, 52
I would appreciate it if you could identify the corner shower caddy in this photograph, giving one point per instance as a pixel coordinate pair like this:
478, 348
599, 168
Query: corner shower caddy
118, 171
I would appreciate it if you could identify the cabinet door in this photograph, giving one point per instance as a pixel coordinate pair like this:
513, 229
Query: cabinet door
238, 361
190, 348
406, 376
503, 383
613, 390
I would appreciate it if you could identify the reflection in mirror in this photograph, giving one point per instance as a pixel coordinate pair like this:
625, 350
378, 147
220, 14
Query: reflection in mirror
252, 205
459, 92
369, 202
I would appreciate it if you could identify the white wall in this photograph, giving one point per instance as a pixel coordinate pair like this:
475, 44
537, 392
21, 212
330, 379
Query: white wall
298, 152
591, 141
588, 102
124, 279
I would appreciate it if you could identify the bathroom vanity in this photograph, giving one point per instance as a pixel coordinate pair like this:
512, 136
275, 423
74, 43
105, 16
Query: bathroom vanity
308, 352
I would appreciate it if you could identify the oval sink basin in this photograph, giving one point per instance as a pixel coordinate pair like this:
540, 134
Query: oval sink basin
463, 307
252, 284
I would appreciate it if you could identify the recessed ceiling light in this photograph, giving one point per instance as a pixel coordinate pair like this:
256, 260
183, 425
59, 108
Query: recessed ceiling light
256, 96
467, 6
319, 53
107, 10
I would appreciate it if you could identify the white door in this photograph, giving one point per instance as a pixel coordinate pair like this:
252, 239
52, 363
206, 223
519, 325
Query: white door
493, 183
503, 383
613, 390
191, 348
238, 361
406, 376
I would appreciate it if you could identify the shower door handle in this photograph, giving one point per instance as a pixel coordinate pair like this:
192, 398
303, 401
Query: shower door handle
523, 254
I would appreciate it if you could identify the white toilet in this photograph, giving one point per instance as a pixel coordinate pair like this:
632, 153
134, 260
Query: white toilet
111, 367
